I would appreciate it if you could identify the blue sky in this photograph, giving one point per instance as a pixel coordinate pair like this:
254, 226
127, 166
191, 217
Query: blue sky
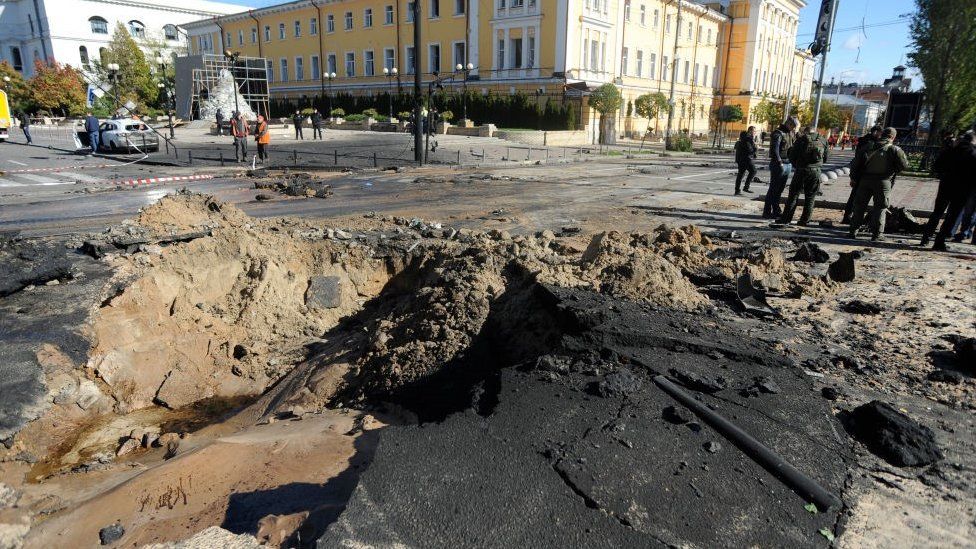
856, 56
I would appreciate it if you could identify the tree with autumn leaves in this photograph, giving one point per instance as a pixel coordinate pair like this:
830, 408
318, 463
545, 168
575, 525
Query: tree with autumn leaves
57, 88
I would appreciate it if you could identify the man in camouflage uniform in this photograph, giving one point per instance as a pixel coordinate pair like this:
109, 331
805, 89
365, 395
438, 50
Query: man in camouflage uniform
874, 171
779, 166
863, 143
807, 155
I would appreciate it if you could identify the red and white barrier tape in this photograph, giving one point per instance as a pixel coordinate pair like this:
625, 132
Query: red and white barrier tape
63, 168
154, 180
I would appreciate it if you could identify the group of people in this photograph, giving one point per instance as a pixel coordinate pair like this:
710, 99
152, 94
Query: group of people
298, 120
241, 129
843, 141
877, 161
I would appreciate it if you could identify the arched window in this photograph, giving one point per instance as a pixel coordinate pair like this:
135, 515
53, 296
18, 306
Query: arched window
98, 25
18, 61
83, 54
137, 29
169, 31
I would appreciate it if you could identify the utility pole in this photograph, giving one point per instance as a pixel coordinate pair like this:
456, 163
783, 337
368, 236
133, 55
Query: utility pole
418, 138
823, 63
674, 78
789, 90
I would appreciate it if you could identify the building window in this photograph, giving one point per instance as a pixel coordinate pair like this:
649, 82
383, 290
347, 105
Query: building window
316, 69
388, 14
687, 66
348, 20
715, 76
299, 69
603, 52
643, 15
460, 7
586, 53
594, 55
330, 23
699, 35
411, 60
281, 31
228, 42
530, 53
368, 18
284, 70
298, 29
169, 32
626, 10
516, 53
240, 37
501, 54
137, 29
254, 35
98, 25
704, 79
350, 64
459, 54
657, 18
709, 35
435, 9
83, 54
624, 53
667, 24
690, 29
694, 77
651, 68
267, 33
639, 70
331, 64
389, 58
664, 68
313, 26
368, 68
411, 8
270, 70
434, 57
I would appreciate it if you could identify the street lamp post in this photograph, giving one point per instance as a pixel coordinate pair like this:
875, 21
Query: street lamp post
538, 102
330, 76
169, 96
113, 73
390, 74
466, 69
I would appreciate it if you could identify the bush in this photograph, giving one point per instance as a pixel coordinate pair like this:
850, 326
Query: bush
370, 113
680, 143
337, 112
404, 115
355, 118
381, 118
447, 116
307, 111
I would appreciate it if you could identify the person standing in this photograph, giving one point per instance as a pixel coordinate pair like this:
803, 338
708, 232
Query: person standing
263, 138
876, 171
807, 155
94, 134
220, 122
960, 168
25, 123
316, 124
745, 154
939, 169
239, 128
297, 120
860, 146
779, 166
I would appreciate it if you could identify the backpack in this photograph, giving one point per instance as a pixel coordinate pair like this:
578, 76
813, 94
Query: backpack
806, 152
876, 162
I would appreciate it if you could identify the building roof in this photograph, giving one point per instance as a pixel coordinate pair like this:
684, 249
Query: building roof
843, 100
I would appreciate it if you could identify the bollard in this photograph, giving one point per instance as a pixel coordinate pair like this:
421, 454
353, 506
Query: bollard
221, 158
508, 153
547, 154
166, 141
294, 156
528, 154
459, 157
483, 159
375, 164
189, 157
335, 156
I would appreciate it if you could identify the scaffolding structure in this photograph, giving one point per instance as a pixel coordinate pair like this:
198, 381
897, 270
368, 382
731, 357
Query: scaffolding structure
250, 76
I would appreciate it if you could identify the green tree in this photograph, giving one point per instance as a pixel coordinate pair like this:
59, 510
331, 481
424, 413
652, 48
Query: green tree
768, 112
17, 90
135, 81
650, 105
830, 116
724, 115
606, 100
56, 87
943, 34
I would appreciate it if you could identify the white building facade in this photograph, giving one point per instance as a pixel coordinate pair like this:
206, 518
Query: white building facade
76, 32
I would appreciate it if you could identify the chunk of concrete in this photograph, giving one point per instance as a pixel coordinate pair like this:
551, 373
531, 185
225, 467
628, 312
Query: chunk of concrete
324, 292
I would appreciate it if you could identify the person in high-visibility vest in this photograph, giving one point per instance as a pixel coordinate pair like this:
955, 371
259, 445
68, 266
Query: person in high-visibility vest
240, 129
263, 138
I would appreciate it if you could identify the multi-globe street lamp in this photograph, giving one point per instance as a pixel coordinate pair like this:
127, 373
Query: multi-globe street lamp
113, 73
466, 69
329, 76
390, 74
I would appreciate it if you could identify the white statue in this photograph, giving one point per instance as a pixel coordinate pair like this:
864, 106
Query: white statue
222, 97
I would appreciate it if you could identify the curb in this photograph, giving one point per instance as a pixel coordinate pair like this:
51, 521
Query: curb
154, 180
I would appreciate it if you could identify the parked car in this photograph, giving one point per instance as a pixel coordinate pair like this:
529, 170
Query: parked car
126, 135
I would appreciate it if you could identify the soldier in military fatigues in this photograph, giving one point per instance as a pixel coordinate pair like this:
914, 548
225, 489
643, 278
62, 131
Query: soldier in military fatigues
807, 155
874, 171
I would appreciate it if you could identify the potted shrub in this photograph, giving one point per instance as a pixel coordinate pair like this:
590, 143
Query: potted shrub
336, 115
444, 121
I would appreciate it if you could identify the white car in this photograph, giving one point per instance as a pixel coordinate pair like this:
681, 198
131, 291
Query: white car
126, 135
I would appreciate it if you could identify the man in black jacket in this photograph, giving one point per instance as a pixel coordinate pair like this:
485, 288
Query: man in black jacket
942, 196
863, 144
25, 123
780, 167
297, 120
959, 170
316, 124
745, 153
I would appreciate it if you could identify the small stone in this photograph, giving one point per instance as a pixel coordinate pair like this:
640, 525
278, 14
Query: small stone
148, 439
324, 292
342, 235
830, 393
263, 197
712, 447
111, 534
946, 376
53, 282
676, 415
129, 445
166, 438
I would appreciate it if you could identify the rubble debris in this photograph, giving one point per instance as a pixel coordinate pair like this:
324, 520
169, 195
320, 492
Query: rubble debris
901, 220
677, 415
324, 292
759, 386
842, 270
27, 263
705, 384
712, 447
619, 383
111, 534
810, 252
830, 393
263, 197
297, 184
945, 376
965, 349
860, 307
752, 298
892, 435
128, 446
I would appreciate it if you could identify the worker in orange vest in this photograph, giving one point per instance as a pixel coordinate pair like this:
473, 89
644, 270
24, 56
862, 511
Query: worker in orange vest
240, 129
263, 138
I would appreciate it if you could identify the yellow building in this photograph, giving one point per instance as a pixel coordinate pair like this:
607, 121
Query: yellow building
558, 48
